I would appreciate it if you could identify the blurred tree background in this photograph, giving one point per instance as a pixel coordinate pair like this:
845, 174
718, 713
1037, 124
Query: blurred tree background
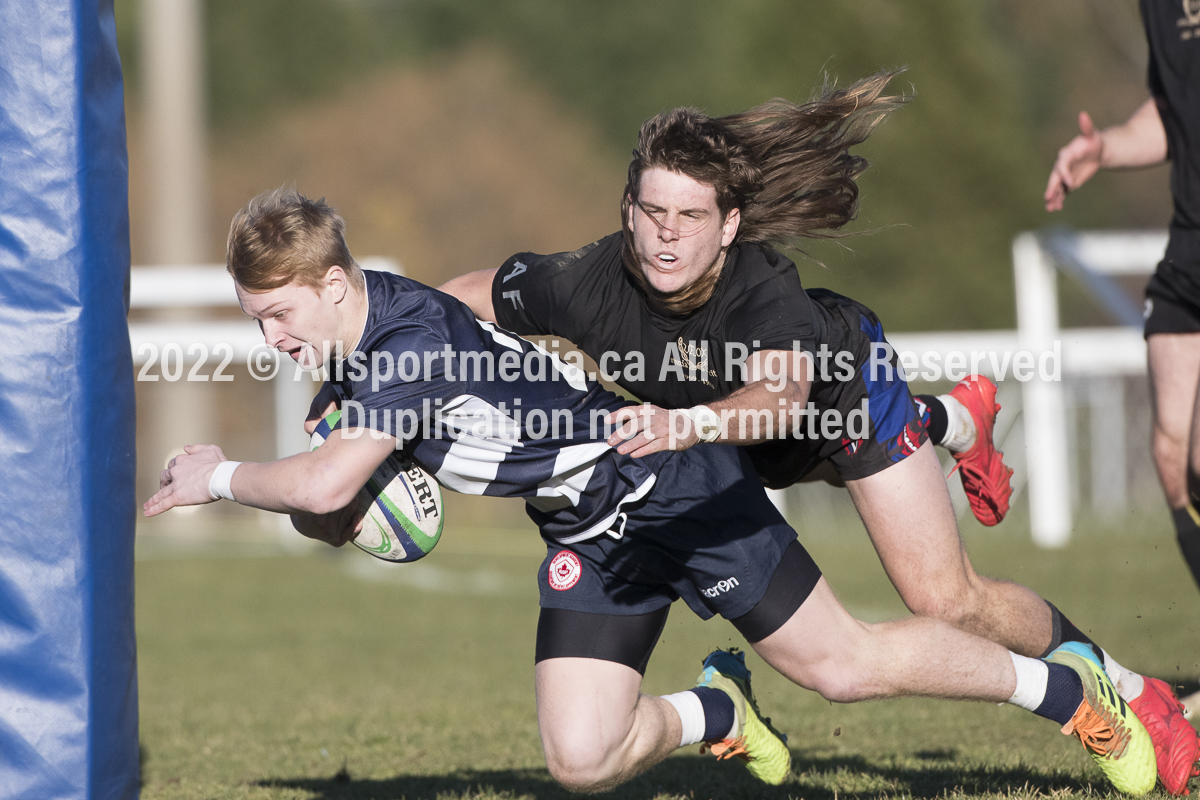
452, 134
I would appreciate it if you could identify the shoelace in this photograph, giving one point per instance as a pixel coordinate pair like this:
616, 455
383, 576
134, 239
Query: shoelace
727, 748
1101, 731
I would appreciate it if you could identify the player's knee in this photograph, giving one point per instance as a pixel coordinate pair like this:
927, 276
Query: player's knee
836, 670
579, 772
956, 605
578, 765
840, 684
1169, 448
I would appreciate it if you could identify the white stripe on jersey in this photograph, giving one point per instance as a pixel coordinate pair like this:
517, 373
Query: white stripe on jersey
511, 342
484, 435
573, 467
571, 373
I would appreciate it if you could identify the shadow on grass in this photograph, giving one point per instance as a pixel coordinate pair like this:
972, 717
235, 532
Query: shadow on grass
929, 774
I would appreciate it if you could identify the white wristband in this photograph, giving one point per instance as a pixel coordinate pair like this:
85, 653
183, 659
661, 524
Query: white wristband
707, 422
219, 483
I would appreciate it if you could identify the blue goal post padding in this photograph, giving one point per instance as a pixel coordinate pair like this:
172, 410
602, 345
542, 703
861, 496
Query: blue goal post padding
68, 680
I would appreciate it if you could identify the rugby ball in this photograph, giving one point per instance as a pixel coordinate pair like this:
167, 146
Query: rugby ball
403, 501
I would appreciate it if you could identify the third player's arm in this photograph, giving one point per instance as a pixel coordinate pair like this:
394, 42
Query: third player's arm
1139, 141
474, 289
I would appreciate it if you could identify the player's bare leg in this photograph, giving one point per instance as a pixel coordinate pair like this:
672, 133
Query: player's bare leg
1174, 362
908, 514
825, 649
822, 647
924, 557
597, 729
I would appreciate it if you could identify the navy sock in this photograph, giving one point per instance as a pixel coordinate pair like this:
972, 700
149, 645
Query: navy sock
1187, 532
1065, 631
1064, 693
933, 417
719, 714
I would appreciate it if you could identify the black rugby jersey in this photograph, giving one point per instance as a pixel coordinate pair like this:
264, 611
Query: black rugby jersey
588, 297
487, 412
1173, 32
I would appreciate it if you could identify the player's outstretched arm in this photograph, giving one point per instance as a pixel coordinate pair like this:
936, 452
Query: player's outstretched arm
321, 482
1138, 142
474, 289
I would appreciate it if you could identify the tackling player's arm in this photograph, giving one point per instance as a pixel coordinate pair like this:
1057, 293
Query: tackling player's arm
324, 482
474, 289
776, 379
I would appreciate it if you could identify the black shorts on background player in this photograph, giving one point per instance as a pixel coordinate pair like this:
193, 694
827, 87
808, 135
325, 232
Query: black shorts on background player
1173, 294
588, 297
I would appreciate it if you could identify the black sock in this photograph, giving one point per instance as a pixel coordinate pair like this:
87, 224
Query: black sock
1187, 532
1064, 693
1065, 631
719, 714
933, 417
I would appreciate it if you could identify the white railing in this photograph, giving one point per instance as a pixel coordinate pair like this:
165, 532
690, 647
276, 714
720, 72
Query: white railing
1094, 352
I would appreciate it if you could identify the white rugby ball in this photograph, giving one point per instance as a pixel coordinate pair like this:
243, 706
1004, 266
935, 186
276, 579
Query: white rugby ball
404, 505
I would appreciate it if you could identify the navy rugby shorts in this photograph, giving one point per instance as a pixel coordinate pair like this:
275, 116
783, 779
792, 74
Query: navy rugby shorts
705, 533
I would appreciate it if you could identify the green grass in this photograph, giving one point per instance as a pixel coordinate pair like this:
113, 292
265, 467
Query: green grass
332, 676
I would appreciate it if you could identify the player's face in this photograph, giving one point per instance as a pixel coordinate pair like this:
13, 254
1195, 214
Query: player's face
678, 232
298, 320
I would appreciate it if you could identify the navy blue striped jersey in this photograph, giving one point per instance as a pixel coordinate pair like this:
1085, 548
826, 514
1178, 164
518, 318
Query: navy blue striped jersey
487, 412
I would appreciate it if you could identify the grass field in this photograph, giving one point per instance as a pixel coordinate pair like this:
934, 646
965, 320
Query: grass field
329, 675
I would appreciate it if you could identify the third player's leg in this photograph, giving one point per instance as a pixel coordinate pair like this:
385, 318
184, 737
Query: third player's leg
908, 514
1174, 362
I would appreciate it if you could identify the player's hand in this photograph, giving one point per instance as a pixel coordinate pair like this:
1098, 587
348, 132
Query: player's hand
335, 528
185, 480
1077, 162
645, 429
324, 404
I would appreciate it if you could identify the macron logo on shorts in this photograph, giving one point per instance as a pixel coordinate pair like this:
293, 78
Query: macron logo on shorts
721, 588
565, 570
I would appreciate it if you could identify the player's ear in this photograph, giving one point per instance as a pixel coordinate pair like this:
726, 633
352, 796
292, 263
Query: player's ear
730, 227
335, 281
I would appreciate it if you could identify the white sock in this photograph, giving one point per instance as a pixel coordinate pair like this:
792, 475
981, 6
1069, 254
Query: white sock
691, 714
1032, 676
1129, 684
960, 428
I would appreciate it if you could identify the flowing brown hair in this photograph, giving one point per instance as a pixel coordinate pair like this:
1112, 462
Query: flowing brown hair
787, 167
